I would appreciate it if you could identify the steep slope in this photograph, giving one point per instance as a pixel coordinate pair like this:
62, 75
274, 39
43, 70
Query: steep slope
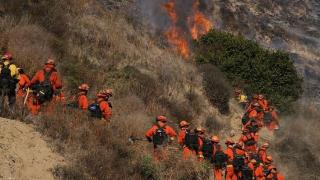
293, 26
24, 154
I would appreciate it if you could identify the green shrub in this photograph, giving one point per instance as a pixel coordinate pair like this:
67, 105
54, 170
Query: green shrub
248, 65
147, 168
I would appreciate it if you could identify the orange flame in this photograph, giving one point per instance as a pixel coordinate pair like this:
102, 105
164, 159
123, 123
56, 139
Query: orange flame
197, 22
175, 39
174, 34
170, 7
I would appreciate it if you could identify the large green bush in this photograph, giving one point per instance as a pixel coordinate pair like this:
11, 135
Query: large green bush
255, 69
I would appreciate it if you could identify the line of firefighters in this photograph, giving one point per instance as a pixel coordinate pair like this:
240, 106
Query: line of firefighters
241, 160
43, 90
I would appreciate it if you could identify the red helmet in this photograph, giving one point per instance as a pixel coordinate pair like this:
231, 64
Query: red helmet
50, 61
161, 119
84, 87
184, 124
215, 139
7, 56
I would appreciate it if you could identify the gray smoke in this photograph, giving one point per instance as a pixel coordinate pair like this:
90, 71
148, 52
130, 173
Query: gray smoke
155, 16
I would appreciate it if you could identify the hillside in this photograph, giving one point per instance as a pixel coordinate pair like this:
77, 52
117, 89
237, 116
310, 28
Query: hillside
108, 43
24, 154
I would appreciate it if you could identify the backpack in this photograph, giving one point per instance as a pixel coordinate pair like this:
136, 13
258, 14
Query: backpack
250, 141
238, 161
220, 159
95, 110
207, 149
6, 80
267, 118
253, 127
160, 137
245, 119
247, 173
256, 157
44, 90
191, 140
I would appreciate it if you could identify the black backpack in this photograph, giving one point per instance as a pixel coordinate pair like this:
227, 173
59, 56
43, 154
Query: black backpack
207, 149
238, 161
44, 90
245, 119
253, 126
6, 80
247, 173
267, 118
95, 110
160, 137
256, 157
220, 159
191, 140
250, 141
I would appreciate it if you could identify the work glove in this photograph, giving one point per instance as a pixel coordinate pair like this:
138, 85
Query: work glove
149, 139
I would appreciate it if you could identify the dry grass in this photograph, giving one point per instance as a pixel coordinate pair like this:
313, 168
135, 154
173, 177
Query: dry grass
100, 47
297, 148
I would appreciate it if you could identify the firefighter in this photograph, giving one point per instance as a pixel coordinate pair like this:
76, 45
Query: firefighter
160, 134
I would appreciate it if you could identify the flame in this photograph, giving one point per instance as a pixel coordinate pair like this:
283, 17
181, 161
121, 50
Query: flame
197, 23
170, 8
175, 39
173, 34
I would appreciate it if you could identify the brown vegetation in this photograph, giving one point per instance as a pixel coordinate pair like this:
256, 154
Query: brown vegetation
99, 46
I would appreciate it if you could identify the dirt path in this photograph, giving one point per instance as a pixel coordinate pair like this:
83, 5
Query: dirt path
24, 154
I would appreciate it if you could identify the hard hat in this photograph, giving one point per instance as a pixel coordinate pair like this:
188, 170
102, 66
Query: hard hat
260, 96
245, 131
84, 87
215, 139
269, 158
200, 129
105, 93
50, 61
272, 167
183, 124
256, 104
7, 56
161, 118
253, 161
265, 145
229, 141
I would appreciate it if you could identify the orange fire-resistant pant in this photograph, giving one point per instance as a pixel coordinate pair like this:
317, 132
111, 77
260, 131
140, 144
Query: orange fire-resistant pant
217, 172
188, 154
230, 173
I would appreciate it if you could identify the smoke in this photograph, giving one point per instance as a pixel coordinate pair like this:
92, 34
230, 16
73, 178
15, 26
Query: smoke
179, 21
296, 147
157, 18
